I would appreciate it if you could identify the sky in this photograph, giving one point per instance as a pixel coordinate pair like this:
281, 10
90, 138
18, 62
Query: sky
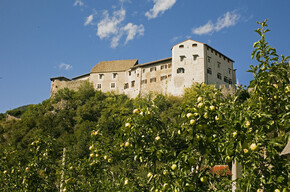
40, 39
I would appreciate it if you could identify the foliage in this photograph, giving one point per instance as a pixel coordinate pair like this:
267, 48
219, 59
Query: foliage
155, 143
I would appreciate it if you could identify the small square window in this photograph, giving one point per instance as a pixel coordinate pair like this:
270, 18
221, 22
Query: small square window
144, 81
209, 71
99, 86
194, 45
115, 75
219, 76
208, 59
152, 80
219, 64
126, 86
152, 69
113, 85
181, 46
129, 73
143, 70
169, 65
101, 76
132, 83
230, 70
195, 57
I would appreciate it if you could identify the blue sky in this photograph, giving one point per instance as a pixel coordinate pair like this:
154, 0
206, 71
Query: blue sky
40, 39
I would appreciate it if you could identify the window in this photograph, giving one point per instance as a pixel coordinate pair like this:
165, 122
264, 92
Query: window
230, 70
115, 75
169, 65
129, 73
137, 74
132, 83
143, 70
219, 76
195, 57
144, 81
219, 64
226, 79
152, 69
169, 76
230, 81
181, 46
208, 59
99, 86
163, 67
126, 86
182, 57
153, 80
101, 76
180, 70
163, 77
209, 71
194, 45
113, 85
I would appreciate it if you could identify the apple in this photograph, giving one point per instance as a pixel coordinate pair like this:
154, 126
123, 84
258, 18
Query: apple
197, 137
149, 174
192, 122
199, 99
91, 155
136, 111
164, 172
275, 97
91, 147
200, 105
188, 115
105, 157
253, 147
203, 179
173, 167
277, 190
212, 108
205, 115
157, 138
235, 134
126, 182
275, 85
228, 159
109, 160
127, 125
246, 151
217, 118
127, 144
178, 132
247, 124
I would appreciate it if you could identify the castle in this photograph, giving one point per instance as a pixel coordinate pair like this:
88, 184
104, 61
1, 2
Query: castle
191, 62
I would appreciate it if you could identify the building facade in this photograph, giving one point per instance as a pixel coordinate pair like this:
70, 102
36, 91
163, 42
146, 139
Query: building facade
191, 62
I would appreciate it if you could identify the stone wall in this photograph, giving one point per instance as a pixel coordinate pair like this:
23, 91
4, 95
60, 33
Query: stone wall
57, 85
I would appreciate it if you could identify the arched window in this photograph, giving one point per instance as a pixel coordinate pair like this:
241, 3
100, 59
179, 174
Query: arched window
181, 46
180, 70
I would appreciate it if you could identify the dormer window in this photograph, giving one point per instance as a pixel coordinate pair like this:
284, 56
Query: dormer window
195, 57
182, 57
181, 46
101, 76
180, 70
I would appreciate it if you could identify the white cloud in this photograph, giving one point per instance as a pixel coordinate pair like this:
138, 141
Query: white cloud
112, 27
89, 20
64, 66
160, 6
227, 20
133, 30
175, 39
205, 29
79, 3
109, 25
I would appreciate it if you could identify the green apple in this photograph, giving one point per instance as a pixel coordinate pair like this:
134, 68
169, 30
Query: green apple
127, 125
149, 174
247, 124
136, 111
277, 190
199, 99
246, 151
173, 167
126, 181
205, 115
217, 118
127, 144
188, 115
212, 107
235, 134
228, 159
157, 138
192, 122
200, 105
253, 147
276, 86
203, 179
